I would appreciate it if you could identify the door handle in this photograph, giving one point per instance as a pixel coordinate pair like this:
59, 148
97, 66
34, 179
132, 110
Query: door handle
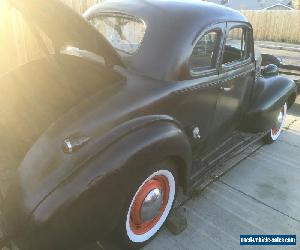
226, 89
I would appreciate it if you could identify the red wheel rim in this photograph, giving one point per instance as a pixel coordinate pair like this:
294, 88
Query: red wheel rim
137, 225
275, 131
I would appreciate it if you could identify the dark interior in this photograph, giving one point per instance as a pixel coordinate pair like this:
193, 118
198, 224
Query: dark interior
231, 54
203, 55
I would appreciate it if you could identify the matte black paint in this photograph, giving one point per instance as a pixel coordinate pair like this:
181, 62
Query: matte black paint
140, 115
269, 96
172, 29
270, 59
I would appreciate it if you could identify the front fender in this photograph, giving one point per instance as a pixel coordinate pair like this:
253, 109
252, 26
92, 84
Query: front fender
270, 59
268, 97
92, 198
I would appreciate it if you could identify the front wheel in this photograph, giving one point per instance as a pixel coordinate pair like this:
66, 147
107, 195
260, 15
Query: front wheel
276, 130
148, 206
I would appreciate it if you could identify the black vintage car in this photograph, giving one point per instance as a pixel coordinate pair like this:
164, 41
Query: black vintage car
123, 110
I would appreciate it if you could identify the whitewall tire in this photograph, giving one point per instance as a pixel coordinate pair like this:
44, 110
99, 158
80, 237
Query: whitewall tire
276, 130
149, 205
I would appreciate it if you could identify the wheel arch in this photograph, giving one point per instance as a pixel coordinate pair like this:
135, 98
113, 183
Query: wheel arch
182, 171
170, 144
165, 140
111, 170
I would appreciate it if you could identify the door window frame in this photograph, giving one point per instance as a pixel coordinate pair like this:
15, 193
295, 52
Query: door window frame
238, 63
221, 29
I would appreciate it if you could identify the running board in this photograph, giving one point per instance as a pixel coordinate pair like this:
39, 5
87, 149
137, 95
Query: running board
213, 162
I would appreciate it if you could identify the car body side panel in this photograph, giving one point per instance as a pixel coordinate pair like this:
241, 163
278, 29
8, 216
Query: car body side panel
90, 201
196, 99
235, 92
45, 165
199, 94
235, 85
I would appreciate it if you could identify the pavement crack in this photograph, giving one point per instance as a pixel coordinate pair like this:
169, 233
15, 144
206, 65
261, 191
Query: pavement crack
259, 201
287, 127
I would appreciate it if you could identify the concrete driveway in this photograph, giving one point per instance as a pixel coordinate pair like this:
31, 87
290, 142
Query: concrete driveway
260, 195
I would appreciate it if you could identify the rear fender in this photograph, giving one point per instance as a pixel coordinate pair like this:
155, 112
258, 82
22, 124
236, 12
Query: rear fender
94, 196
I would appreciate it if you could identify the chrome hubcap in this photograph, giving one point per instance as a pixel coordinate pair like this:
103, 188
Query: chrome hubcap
280, 117
279, 121
152, 204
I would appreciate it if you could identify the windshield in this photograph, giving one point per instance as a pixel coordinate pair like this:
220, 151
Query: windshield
125, 33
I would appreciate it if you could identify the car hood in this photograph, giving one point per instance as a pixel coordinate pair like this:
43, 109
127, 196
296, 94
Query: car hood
66, 27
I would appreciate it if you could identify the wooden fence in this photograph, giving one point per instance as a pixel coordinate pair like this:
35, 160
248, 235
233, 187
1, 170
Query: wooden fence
276, 25
17, 47
81, 5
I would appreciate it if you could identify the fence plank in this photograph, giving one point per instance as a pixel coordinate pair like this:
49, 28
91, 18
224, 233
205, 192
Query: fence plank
17, 46
275, 25
81, 5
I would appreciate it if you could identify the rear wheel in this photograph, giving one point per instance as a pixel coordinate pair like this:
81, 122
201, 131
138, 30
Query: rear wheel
276, 130
148, 206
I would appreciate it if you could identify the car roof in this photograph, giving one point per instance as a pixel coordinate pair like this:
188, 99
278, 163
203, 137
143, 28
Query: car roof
172, 26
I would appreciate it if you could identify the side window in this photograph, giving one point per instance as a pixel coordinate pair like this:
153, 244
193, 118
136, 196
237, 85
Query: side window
237, 45
204, 52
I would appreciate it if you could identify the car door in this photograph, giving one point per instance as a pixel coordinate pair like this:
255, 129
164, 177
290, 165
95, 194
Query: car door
196, 105
237, 75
